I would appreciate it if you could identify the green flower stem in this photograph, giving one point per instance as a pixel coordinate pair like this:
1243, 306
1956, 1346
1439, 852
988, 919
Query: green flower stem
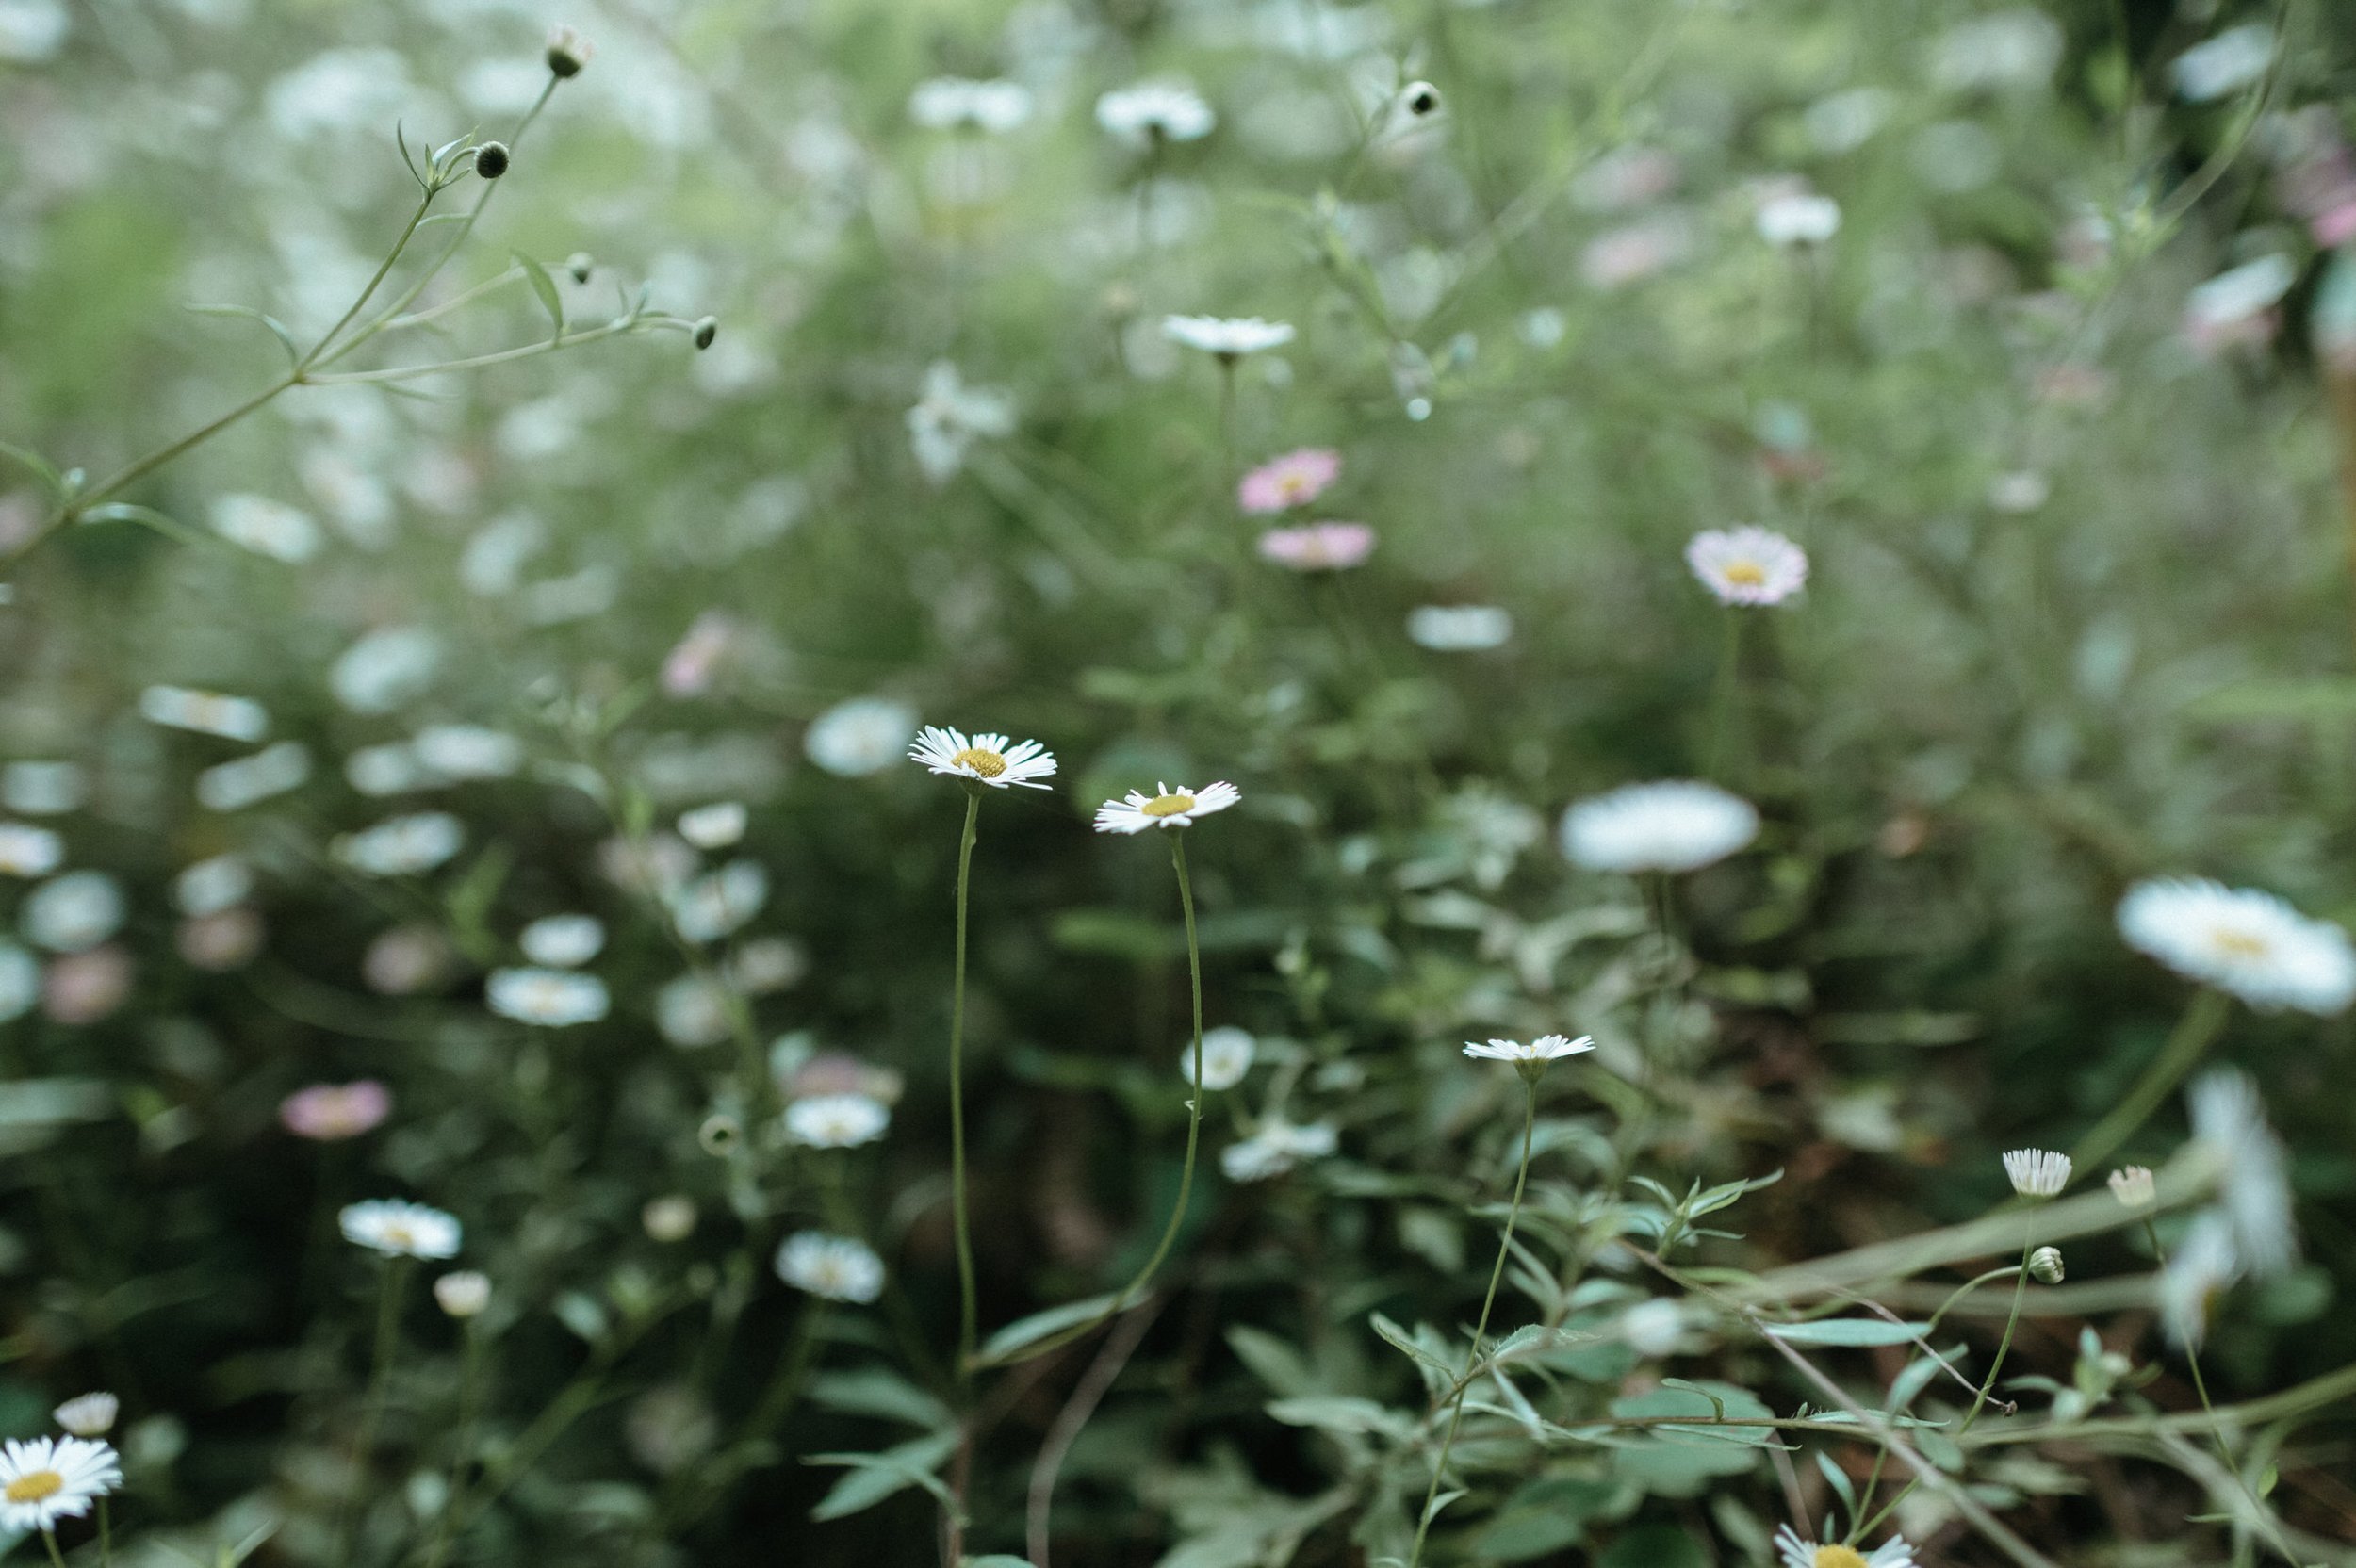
49, 1539
469, 1410
1723, 702
372, 1402
2198, 1029
319, 349
966, 1311
1472, 1358
106, 1535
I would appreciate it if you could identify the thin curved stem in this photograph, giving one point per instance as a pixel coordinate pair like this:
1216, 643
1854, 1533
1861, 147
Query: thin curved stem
1724, 694
373, 1403
966, 1311
1463, 1386
328, 338
2195, 1033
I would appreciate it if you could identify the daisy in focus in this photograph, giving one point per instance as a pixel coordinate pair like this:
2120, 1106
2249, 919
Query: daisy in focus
1293, 480
2246, 943
1164, 808
1546, 1047
982, 759
1747, 565
401, 1230
1675, 826
1793, 1552
2037, 1172
837, 1120
48, 1478
1318, 547
838, 1268
1229, 337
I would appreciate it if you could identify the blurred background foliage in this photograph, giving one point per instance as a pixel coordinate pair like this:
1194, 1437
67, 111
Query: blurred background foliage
2079, 612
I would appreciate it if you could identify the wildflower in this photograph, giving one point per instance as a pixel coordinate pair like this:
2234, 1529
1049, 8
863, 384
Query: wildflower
1149, 113
1229, 337
402, 846
460, 753
463, 1294
958, 103
692, 1012
1798, 1553
2037, 1172
688, 668
950, 417
491, 159
2045, 1263
2243, 941
1275, 1149
1747, 565
330, 1113
2135, 1186
20, 982
568, 51
205, 712
1318, 547
75, 912
1227, 1055
2253, 1191
245, 782
1459, 627
1791, 218
84, 987
1675, 826
1546, 1047
767, 964
985, 758
29, 851
1293, 480
2239, 305
562, 941
1654, 1327
384, 669
2235, 58
211, 886
266, 527
712, 907
552, 997
839, 1072
1165, 807
863, 736
837, 1120
2202, 1267
401, 1230
44, 1479
713, 826
836, 1268
404, 961
88, 1415
42, 789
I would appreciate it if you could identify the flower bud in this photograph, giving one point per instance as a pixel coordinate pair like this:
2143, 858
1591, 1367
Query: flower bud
706, 330
88, 1415
2135, 1186
580, 263
2045, 1263
463, 1294
567, 52
490, 159
1421, 99
669, 1218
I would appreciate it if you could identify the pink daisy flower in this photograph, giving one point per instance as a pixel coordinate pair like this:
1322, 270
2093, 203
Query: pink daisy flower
329, 1113
1318, 547
1293, 480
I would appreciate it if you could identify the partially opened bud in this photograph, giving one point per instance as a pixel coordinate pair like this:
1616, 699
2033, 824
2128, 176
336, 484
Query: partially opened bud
580, 263
463, 1294
706, 330
567, 52
2045, 1263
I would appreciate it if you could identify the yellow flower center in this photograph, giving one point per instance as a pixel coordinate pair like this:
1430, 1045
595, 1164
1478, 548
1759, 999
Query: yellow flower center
34, 1485
2240, 944
1750, 573
1292, 487
981, 759
1838, 1556
398, 1235
1168, 806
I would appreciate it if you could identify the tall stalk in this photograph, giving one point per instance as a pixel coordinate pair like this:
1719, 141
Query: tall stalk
967, 1312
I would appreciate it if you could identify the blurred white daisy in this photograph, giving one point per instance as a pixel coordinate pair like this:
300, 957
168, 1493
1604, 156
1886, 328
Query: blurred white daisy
2136, 1186
1164, 808
1148, 113
20, 980
1796, 1552
402, 846
245, 782
74, 913
837, 1120
29, 851
692, 1012
1675, 826
41, 787
985, 757
211, 886
266, 527
2202, 1267
562, 941
1275, 1149
88, 1415
1229, 337
863, 736
2037, 1172
464, 1293
552, 997
718, 905
384, 669
400, 1228
950, 417
1747, 565
44, 1479
713, 826
960, 103
2245, 942
2235, 58
2229, 1122
1227, 1054
1790, 218
839, 1268
461, 753
1459, 627
1546, 1047
205, 712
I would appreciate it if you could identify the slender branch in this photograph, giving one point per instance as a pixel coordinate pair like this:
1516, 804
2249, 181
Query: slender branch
1086, 1395
2195, 1033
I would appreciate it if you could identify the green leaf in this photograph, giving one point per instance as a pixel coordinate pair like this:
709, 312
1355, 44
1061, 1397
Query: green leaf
148, 517
1838, 1478
875, 1477
1848, 1331
1039, 1325
544, 286
1273, 1362
278, 329
879, 1392
1399, 1339
1336, 1413
1654, 1546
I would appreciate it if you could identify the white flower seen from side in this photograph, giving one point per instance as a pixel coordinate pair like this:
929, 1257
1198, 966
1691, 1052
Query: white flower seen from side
88, 1415
2136, 1186
1229, 337
718, 905
402, 846
1277, 1148
1546, 1047
714, 827
562, 941
1227, 1054
2246, 943
551, 998
960, 103
839, 1268
2229, 1122
398, 1229
1165, 807
75, 912
1747, 565
44, 1479
463, 1294
863, 736
950, 417
205, 712
245, 782
29, 851
1675, 826
837, 1120
2037, 1172
1148, 114
1459, 627
984, 757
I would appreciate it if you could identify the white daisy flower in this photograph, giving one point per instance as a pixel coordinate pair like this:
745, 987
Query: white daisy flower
1459, 627
2202, 1267
211, 886
205, 712
2245, 942
1227, 1055
1748, 565
400, 1228
692, 1012
1151, 112
863, 736
714, 827
463, 1294
460, 753
29, 851
712, 907
1675, 826
950, 417
837, 1120
552, 997
1798, 1553
44, 1479
2229, 1122
2037, 1172
20, 980
562, 941
402, 846
42, 789
836, 1268
1797, 218
245, 782
75, 912
1229, 337
1546, 1047
1164, 808
960, 103
2136, 1186
386, 668
1277, 1148
88, 1415
985, 757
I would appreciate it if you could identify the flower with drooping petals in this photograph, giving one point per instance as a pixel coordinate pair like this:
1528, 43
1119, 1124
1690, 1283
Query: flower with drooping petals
1293, 480
330, 1113
1675, 826
1164, 808
984, 759
1318, 547
1747, 565
2245, 942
